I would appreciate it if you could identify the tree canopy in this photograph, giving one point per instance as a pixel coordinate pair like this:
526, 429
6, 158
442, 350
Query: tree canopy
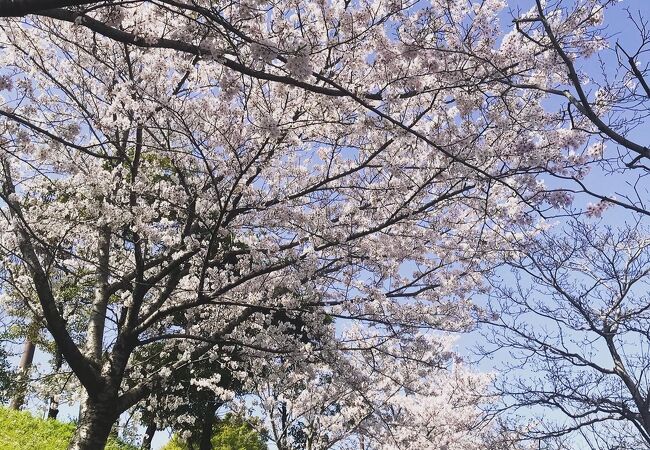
295, 203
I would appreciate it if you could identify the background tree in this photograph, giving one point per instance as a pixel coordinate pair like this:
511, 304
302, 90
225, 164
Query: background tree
188, 406
599, 73
378, 400
24, 368
25, 330
575, 328
230, 432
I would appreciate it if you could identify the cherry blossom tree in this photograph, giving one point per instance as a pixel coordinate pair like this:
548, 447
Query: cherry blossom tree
27, 329
547, 51
598, 72
378, 399
210, 175
575, 326
573, 323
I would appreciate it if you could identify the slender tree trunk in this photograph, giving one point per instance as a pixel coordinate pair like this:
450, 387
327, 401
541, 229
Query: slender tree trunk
97, 320
148, 435
207, 427
25, 365
53, 408
282, 445
95, 423
206, 434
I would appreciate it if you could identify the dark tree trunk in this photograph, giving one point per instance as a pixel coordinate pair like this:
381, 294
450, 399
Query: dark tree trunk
102, 408
148, 436
207, 427
282, 445
95, 423
53, 409
26, 361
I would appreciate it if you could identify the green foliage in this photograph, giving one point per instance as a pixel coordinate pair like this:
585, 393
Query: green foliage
237, 435
19, 430
175, 444
7, 376
230, 433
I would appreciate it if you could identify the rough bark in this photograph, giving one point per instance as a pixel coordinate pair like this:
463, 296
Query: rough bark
97, 320
95, 423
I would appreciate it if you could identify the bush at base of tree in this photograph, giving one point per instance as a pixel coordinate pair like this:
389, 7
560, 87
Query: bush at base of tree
19, 430
230, 433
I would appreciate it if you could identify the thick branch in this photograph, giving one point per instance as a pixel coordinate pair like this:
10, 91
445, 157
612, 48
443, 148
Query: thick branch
19, 8
582, 96
82, 367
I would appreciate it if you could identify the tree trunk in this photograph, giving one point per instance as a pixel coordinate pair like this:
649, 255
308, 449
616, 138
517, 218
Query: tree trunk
148, 435
95, 424
53, 409
207, 427
23, 374
97, 320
